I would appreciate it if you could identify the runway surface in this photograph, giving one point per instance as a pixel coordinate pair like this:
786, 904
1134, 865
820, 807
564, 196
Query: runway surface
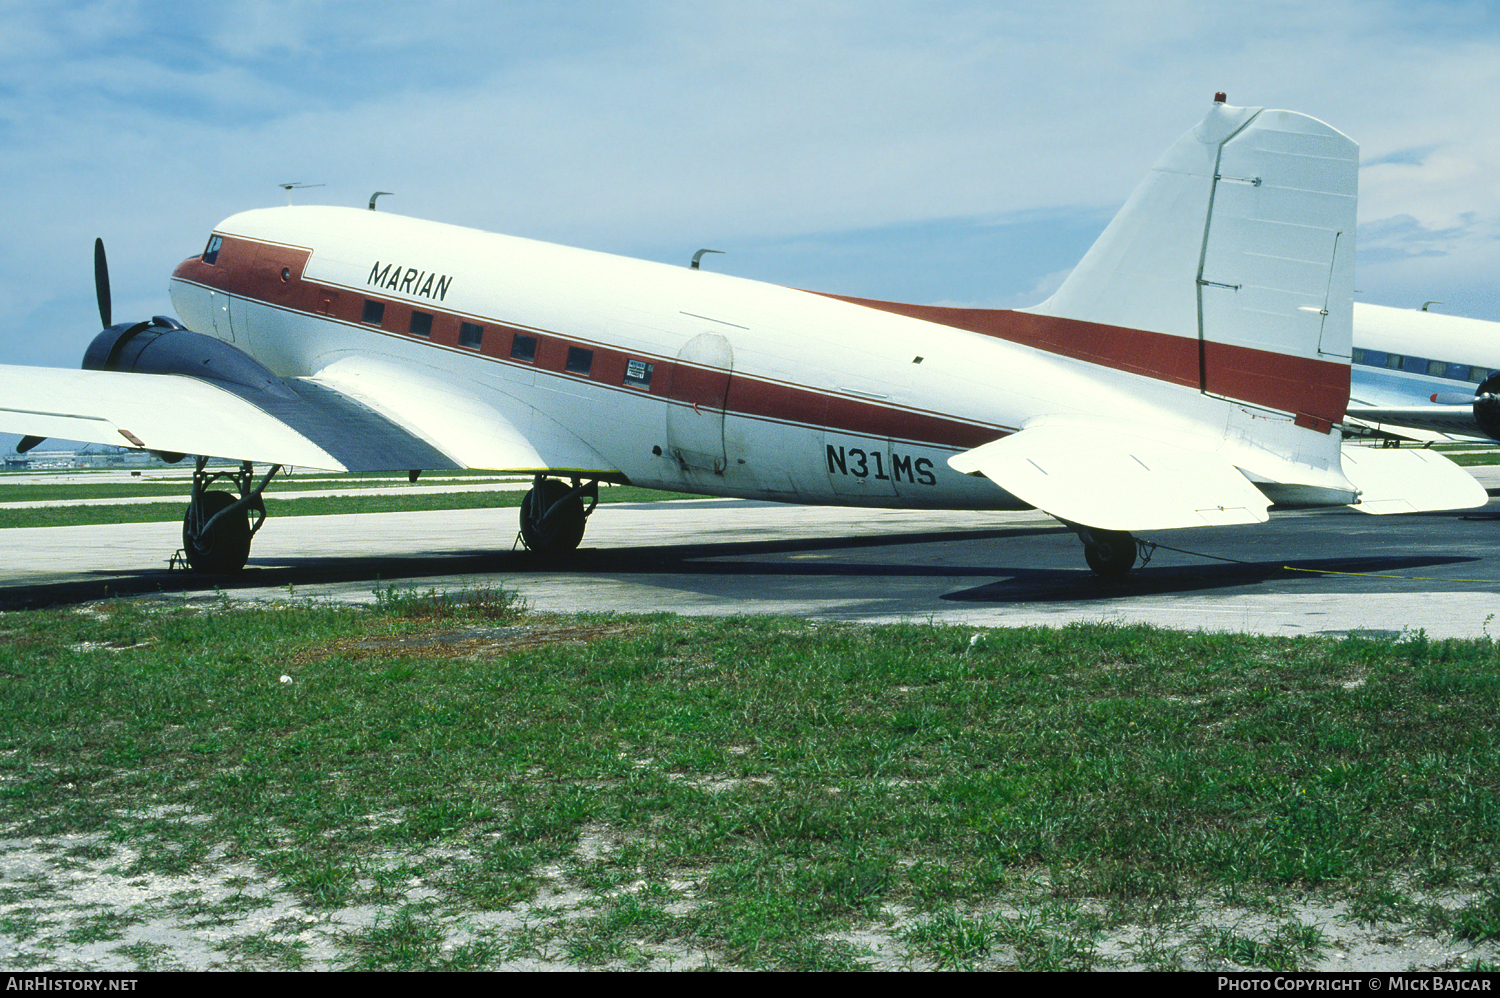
1318, 572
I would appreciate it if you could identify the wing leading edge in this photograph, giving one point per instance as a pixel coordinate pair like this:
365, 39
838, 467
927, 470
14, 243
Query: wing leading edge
291, 422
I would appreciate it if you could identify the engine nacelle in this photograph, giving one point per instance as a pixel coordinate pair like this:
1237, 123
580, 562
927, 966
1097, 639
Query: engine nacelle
1487, 407
165, 346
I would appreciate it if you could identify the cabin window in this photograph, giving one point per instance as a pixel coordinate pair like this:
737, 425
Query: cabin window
211, 251
523, 347
638, 373
1478, 374
374, 312
1437, 368
421, 324
469, 335
1357, 356
580, 361
1394, 361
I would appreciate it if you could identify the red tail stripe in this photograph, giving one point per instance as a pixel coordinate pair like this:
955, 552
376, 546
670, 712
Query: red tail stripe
1316, 388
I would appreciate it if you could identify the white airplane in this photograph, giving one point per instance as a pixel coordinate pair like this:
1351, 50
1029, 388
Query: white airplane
1419, 370
1193, 369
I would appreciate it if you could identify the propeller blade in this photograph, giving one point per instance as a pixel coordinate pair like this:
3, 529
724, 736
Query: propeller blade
101, 283
1452, 398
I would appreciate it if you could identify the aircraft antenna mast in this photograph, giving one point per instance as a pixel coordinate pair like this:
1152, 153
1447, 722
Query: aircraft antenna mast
376, 195
295, 186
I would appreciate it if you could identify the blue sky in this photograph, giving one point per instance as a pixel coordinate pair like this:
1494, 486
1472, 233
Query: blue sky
963, 153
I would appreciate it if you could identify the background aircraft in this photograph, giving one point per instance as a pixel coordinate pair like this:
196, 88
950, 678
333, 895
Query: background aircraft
1192, 370
1419, 370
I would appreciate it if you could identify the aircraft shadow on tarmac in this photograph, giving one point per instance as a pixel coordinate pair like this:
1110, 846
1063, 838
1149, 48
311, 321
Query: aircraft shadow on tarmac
1369, 574
1040, 571
732, 558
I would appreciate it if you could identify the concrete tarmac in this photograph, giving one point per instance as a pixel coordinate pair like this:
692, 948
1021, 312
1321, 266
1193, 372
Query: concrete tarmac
1315, 572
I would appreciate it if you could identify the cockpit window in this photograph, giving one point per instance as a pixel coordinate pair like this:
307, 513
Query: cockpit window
211, 251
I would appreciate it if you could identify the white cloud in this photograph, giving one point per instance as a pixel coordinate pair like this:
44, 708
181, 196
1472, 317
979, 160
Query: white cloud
635, 126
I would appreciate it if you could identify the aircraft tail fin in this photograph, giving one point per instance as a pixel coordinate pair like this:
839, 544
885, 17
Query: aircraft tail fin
1241, 243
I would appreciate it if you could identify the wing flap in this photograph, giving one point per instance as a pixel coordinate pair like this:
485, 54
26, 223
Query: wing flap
1115, 481
1409, 480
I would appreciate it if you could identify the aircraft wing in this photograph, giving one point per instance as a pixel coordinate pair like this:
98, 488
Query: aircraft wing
1115, 481
479, 425
1452, 419
338, 423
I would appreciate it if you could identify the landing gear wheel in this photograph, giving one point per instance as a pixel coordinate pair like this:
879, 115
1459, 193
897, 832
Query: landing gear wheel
226, 547
1110, 553
557, 532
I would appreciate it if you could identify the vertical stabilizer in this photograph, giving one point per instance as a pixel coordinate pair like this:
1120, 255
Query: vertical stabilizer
1241, 238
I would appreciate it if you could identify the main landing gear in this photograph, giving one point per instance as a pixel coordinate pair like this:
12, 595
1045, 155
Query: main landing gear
217, 528
553, 515
1110, 553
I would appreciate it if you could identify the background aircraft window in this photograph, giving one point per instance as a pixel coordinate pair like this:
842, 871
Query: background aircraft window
374, 312
1437, 368
1357, 356
523, 347
211, 251
580, 361
1393, 361
638, 373
1478, 374
470, 334
421, 324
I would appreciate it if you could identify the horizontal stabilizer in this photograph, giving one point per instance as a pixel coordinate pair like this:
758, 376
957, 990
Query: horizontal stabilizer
1409, 480
1114, 481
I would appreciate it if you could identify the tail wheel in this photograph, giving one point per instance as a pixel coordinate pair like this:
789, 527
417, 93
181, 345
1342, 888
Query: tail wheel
226, 546
1110, 553
546, 526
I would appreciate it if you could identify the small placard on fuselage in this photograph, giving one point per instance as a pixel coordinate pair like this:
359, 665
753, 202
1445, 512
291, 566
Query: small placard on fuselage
638, 373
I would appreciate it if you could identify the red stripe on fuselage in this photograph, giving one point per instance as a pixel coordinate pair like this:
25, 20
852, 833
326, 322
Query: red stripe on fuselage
1315, 388
252, 269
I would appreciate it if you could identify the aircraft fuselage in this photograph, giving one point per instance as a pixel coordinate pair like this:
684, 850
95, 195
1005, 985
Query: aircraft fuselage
662, 376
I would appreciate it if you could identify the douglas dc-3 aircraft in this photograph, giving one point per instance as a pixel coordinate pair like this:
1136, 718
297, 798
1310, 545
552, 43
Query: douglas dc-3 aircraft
1192, 370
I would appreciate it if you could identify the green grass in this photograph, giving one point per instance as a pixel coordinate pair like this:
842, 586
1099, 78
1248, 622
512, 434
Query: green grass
66, 516
751, 788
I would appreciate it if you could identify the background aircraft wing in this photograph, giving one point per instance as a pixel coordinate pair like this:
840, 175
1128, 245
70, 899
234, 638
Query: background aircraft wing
1433, 418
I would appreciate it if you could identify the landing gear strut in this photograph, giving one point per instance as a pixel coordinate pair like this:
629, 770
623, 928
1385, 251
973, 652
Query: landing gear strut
216, 530
553, 515
1110, 553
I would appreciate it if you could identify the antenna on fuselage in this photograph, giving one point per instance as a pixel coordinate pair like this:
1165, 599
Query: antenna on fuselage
376, 195
698, 257
1426, 303
296, 187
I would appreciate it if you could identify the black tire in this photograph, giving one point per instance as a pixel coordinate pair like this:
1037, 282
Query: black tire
562, 531
1111, 554
226, 547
